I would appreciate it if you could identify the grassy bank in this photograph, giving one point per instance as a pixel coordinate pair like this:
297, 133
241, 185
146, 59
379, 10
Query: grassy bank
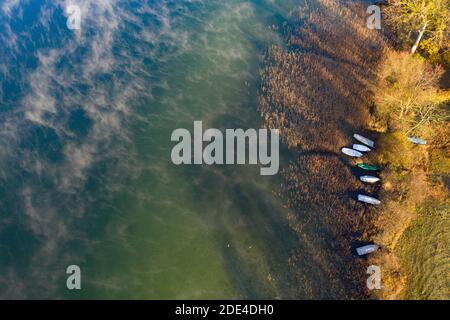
412, 224
412, 98
423, 251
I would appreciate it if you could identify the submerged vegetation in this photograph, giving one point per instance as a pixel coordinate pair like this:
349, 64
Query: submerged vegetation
316, 91
335, 77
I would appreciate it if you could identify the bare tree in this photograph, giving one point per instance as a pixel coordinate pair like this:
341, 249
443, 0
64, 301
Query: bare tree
416, 20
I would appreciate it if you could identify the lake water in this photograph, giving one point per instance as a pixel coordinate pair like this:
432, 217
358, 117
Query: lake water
85, 171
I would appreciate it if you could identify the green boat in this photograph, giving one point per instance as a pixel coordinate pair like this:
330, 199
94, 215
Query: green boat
366, 166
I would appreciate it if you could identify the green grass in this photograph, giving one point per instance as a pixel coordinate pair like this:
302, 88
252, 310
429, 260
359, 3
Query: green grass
439, 162
424, 251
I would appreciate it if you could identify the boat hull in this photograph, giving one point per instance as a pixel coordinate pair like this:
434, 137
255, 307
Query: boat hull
367, 249
367, 167
364, 140
351, 152
367, 199
417, 140
361, 147
369, 179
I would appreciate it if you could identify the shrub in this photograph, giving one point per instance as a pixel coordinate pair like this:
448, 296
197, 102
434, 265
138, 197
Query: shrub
439, 162
421, 24
407, 95
394, 150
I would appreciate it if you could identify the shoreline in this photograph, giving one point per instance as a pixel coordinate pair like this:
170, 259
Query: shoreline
320, 90
317, 92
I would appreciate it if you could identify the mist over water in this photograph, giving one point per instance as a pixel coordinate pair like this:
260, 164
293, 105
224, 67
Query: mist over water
85, 171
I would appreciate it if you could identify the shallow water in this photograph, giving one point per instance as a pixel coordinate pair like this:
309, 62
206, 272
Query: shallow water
86, 175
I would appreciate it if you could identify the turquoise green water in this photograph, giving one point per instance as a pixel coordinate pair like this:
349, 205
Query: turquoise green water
90, 180
199, 232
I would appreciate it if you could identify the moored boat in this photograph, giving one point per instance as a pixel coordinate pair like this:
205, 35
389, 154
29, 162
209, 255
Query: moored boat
364, 140
416, 140
351, 152
368, 199
366, 166
367, 249
369, 179
361, 147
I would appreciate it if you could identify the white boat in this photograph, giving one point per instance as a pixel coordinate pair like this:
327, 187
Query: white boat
361, 147
417, 140
364, 140
367, 249
369, 179
351, 152
367, 199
